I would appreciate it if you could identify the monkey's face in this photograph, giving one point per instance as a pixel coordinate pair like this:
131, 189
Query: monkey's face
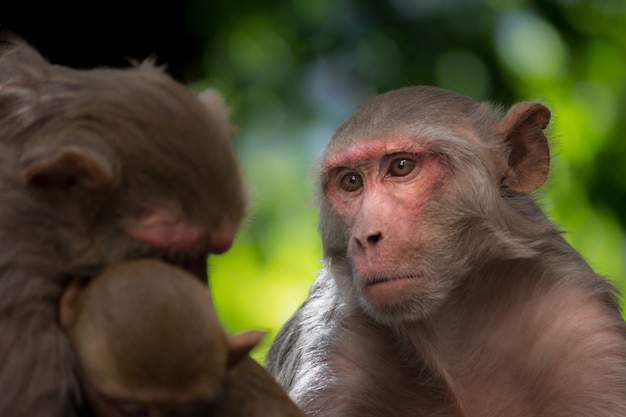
105, 406
166, 358
422, 186
129, 164
382, 192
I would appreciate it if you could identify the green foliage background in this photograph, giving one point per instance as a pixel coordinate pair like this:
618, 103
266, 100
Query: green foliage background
292, 71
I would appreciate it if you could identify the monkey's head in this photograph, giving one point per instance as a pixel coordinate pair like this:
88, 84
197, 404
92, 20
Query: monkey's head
148, 340
116, 164
420, 188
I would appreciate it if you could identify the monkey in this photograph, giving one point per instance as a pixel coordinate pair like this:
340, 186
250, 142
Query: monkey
149, 343
445, 289
148, 340
97, 167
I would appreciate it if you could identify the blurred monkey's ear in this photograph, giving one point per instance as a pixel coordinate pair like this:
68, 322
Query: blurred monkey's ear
213, 101
67, 305
67, 167
240, 345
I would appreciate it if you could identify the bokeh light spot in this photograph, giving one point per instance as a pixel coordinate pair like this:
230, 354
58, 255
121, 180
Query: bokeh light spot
529, 46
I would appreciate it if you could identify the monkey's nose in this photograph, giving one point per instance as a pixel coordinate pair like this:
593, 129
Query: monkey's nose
367, 241
222, 239
374, 238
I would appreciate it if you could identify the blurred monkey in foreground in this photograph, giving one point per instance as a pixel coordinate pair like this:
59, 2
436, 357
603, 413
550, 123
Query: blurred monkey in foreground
97, 167
149, 343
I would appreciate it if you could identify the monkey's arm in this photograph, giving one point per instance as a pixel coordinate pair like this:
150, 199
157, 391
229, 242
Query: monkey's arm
299, 347
253, 392
35, 378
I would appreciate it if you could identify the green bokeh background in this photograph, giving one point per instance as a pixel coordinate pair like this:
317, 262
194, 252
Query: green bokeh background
293, 70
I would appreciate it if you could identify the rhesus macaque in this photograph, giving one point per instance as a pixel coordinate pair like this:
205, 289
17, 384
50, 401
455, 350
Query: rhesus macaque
97, 167
149, 343
446, 290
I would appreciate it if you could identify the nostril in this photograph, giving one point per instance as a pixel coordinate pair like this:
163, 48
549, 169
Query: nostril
359, 243
374, 239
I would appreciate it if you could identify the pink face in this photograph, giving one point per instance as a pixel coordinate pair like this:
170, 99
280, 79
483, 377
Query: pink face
166, 231
163, 229
380, 188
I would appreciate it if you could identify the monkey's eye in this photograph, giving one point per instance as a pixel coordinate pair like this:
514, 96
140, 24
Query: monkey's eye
401, 167
351, 182
192, 410
129, 408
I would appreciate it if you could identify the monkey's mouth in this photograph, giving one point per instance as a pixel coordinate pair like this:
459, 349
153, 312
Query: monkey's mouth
388, 288
372, 281
195, 264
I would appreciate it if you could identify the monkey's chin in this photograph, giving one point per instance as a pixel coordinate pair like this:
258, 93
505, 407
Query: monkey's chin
388, 291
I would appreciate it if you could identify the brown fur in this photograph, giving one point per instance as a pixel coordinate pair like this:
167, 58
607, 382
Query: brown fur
250, 391
97, 167
447, 292
147, 336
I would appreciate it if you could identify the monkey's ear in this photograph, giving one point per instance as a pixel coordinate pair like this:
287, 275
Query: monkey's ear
529, 156
213, 101
240, 345
68, 167
20, 63
67, 305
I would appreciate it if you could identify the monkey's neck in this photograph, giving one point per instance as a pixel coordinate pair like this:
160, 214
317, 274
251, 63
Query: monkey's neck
478, 343
467, 373
467, 342
427, 344
29, 276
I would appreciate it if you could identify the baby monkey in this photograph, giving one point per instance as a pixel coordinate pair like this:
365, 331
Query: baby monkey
149, 343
